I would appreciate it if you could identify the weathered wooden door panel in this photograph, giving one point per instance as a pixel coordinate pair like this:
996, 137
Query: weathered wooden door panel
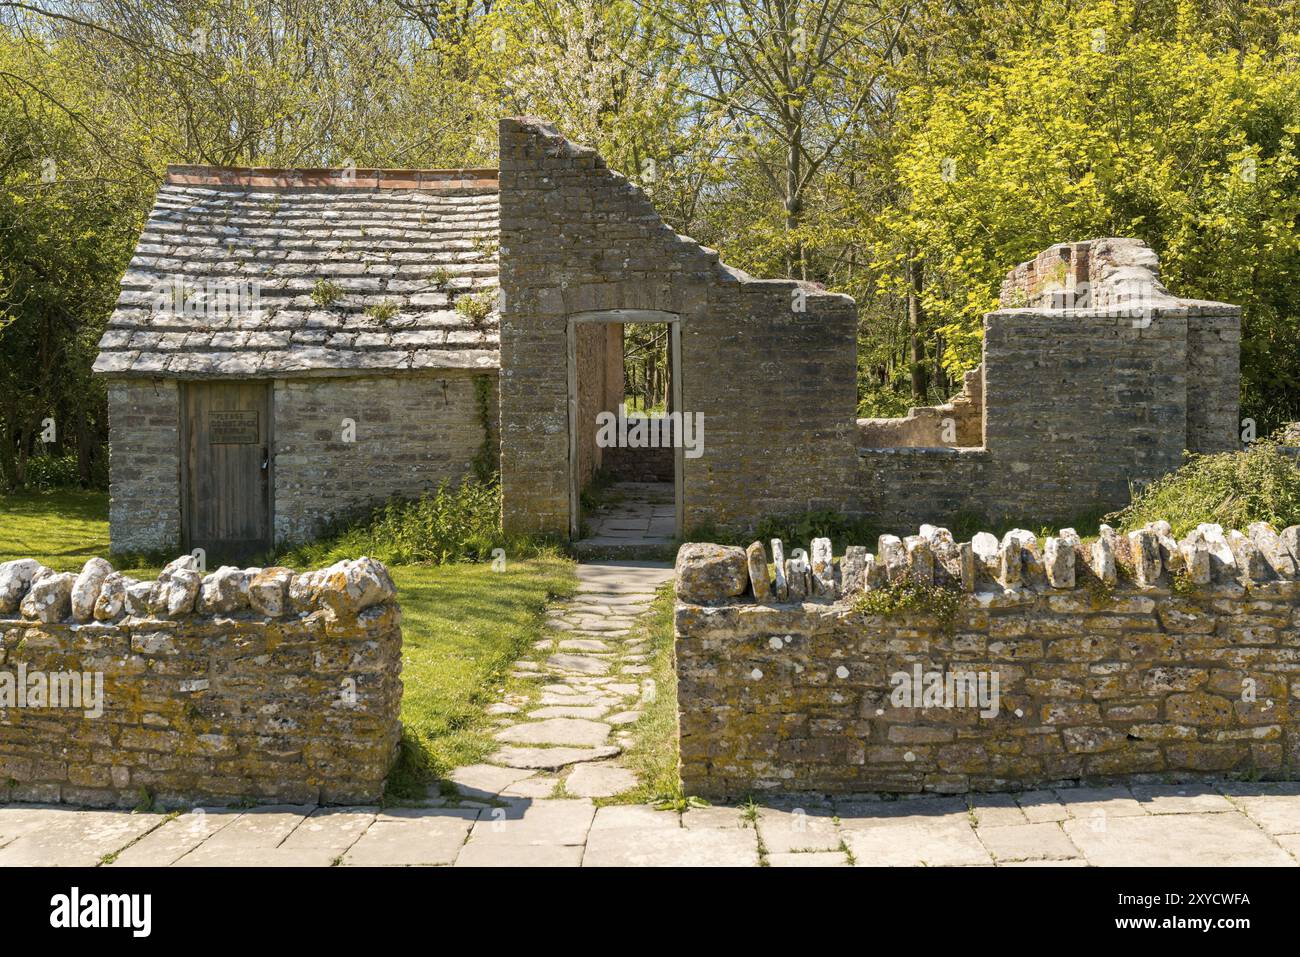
227, 435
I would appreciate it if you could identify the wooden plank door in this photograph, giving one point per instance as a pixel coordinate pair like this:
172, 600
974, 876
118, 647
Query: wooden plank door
226, 430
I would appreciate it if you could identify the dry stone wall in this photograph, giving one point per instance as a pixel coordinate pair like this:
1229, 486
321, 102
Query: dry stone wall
242, 685
989, 665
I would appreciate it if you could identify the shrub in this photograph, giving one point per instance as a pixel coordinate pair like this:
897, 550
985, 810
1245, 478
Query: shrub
1231, 489
453, 523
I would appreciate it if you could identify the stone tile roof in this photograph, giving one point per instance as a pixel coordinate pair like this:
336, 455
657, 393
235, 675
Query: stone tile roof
254, 273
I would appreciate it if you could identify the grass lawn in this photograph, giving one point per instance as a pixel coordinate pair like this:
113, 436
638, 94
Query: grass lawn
462, 624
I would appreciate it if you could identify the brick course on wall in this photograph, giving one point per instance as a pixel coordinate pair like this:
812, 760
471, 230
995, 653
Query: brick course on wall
412, 433
1132, 658
144, 509
222, 689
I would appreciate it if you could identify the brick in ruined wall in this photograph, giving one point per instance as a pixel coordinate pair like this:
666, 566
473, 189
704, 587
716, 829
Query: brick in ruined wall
412, 433
1213, 404
144, 465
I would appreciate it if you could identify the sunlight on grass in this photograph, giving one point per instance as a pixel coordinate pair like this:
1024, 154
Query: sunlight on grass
653, 754
462, 624
60, 529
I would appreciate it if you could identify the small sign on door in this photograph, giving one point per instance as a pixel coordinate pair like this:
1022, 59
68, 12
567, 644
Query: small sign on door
232, 428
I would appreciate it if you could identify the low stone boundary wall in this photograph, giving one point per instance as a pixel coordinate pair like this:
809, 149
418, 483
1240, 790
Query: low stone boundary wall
245, 685
989, 665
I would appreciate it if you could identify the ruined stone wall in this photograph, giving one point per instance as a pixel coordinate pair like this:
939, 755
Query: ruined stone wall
1129, 658
1095, 378
958, 423
412, 433
243, 685
793, 343
144, 511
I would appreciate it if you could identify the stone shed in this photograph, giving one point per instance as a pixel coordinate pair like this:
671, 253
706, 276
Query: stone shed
291, 346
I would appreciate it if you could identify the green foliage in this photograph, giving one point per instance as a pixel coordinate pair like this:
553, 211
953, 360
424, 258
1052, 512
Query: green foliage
476, 308
453, 523
1231, 489
382, 311
906, 596
48, 472
1110, 125
486, 463
325, 293
800, 530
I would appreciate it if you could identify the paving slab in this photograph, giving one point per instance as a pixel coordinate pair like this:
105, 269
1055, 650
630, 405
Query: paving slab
535, 822
588, 712
1275, 813
412, 837
538, 787
579, 664
1091, 802
550, 759
76, 837
332, 829
1042, 806
787, 830
599, 779
1023, 842
258, 828
174, 839
996, 810
1181, 799
573, 732
656, 846
1175, 840
910, 841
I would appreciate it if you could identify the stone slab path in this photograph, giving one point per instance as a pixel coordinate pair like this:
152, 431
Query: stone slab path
530, 803
635, 514
1224, 825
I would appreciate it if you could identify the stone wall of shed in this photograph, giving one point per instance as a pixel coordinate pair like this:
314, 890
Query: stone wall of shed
793, 344
144, 509
413, 432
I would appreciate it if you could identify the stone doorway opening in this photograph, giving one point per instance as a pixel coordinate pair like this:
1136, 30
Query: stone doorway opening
625, 448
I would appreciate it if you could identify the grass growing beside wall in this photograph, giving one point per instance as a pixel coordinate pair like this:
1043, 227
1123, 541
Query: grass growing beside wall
653, 754
1231, 489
